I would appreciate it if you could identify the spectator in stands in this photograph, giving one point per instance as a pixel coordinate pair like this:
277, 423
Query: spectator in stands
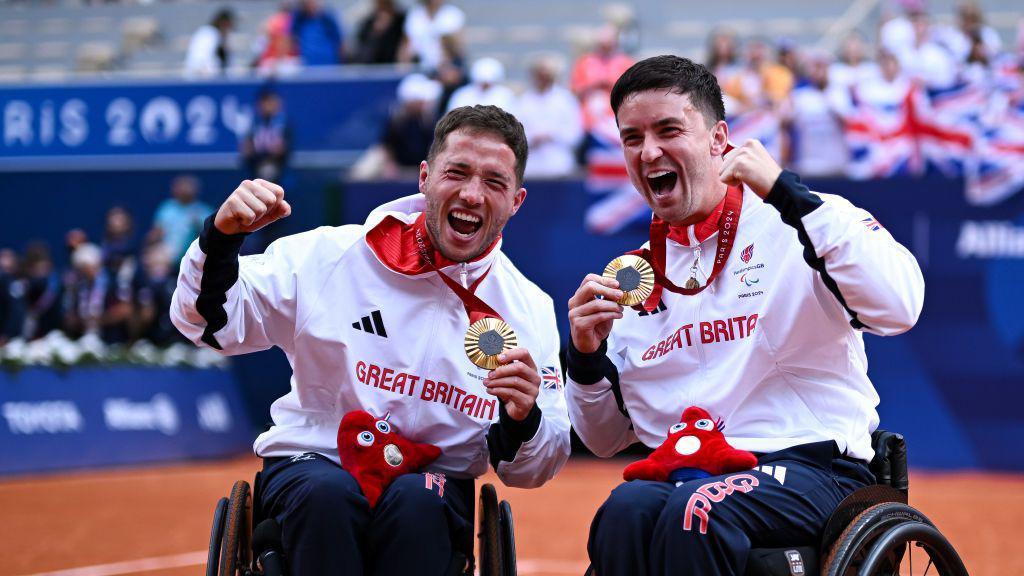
852, 67
451, 72
761, 82
485, 87
12, 292
550, 114
43, 292
153, 297
317, 34
265, 149
425, 25
971, 39
598, 69
925, 60
814, 119
788, 55
381, 34
179, 219
118, 244
208, 49
723, 58
73, 239
896, 35
278, 55
886, 92
409, 132
93, 302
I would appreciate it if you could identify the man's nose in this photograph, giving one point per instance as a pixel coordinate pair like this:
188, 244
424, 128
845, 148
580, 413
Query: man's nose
650, 152
473, 192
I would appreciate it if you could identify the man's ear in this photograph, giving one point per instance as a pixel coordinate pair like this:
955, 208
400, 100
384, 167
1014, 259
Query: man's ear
719, 138
424, 173
518, 200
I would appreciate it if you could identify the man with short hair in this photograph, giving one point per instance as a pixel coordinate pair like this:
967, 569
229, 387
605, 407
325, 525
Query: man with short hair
374, 317
763, 291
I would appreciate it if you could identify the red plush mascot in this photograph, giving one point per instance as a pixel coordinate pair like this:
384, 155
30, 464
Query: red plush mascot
695, 448
375, 455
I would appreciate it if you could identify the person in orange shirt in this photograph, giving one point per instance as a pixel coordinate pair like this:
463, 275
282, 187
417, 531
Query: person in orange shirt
761, 82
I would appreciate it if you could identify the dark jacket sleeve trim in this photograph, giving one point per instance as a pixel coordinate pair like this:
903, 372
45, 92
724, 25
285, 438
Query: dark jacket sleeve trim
506, 435
219, 274
794, 200
589, 368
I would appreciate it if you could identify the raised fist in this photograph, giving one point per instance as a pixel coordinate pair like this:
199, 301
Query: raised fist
253, 205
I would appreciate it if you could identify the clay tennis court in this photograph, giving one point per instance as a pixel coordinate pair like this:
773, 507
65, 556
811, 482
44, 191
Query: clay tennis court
156, 520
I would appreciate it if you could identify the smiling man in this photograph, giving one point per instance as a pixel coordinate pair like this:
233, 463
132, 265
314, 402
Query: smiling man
757, 316
374, 317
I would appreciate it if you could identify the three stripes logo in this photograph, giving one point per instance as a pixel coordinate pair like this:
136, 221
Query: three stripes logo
661, 308
777, 472
373, 324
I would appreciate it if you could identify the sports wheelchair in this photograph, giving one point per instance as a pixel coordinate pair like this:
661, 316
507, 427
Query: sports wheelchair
243, 543
873, 532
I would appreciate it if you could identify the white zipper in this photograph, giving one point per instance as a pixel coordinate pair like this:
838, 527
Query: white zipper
462, 275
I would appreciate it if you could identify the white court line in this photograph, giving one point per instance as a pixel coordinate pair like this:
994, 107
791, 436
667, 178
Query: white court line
524, 566
134, 566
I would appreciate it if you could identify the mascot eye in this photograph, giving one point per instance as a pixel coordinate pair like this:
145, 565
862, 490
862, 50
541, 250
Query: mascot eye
365, 438
677, 427
383, 426
704, 424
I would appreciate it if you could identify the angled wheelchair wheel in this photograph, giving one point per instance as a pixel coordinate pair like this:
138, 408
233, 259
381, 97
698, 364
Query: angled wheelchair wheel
508, 539
892, 538
235, 553
489, 532
220, 513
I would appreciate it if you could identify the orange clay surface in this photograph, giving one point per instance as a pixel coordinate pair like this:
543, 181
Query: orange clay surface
156, 520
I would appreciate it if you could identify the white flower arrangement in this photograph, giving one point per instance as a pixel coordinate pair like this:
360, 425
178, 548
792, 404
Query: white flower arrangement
55, 350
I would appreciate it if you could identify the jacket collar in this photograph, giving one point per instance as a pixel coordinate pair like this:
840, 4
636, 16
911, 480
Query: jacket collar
402, 244
694, 234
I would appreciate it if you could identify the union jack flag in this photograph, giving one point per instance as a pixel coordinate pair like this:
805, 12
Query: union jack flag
997, 170
872, 224
550, 377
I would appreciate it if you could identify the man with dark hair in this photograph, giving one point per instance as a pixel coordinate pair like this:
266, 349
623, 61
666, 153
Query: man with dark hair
374, 317
766, 337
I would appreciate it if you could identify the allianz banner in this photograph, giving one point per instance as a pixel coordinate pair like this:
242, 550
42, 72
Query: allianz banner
87, 417
172, 123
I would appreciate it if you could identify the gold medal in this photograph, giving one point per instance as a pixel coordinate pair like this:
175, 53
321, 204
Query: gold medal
635, 277
486, 339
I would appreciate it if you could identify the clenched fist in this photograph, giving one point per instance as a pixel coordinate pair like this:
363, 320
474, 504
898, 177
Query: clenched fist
253, 205
751, 164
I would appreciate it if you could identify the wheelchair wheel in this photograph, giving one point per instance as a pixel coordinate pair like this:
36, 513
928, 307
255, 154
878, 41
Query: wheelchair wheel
508, 539
235, 554
489, 532
892, 538
220, 513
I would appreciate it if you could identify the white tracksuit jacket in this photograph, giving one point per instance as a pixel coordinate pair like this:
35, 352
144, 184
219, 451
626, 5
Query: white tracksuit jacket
361, 335
773, 346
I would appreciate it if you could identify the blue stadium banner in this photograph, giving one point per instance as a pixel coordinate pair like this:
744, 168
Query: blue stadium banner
179, 124
86, 417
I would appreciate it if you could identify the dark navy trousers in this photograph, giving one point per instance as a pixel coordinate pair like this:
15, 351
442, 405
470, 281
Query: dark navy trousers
328, 529
707, 526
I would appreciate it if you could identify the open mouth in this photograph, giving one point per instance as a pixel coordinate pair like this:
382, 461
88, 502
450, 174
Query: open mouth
662, 181
464, 223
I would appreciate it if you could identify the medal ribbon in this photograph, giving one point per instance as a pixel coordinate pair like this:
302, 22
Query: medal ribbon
728, 225
476, 308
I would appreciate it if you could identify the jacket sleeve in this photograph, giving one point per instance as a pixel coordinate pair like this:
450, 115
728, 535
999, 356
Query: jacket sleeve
596, 408
875, 279
529, 453
240, 305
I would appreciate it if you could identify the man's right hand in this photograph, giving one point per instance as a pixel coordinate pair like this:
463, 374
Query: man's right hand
590, 317
253, 205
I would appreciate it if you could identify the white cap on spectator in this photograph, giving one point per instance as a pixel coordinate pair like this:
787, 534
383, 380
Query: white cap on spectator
417, 87
487, 71
87, 255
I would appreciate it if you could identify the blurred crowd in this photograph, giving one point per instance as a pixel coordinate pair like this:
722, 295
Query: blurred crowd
116, 287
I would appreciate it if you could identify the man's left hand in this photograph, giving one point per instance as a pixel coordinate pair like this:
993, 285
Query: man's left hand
751, 164
516, 382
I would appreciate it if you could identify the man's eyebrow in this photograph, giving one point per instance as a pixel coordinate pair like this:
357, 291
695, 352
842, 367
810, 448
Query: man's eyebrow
669, 120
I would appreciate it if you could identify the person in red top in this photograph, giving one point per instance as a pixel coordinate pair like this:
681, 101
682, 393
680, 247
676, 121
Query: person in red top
601, 67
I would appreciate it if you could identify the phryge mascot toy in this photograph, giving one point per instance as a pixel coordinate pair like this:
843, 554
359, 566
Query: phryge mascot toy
375, 454
695, 448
